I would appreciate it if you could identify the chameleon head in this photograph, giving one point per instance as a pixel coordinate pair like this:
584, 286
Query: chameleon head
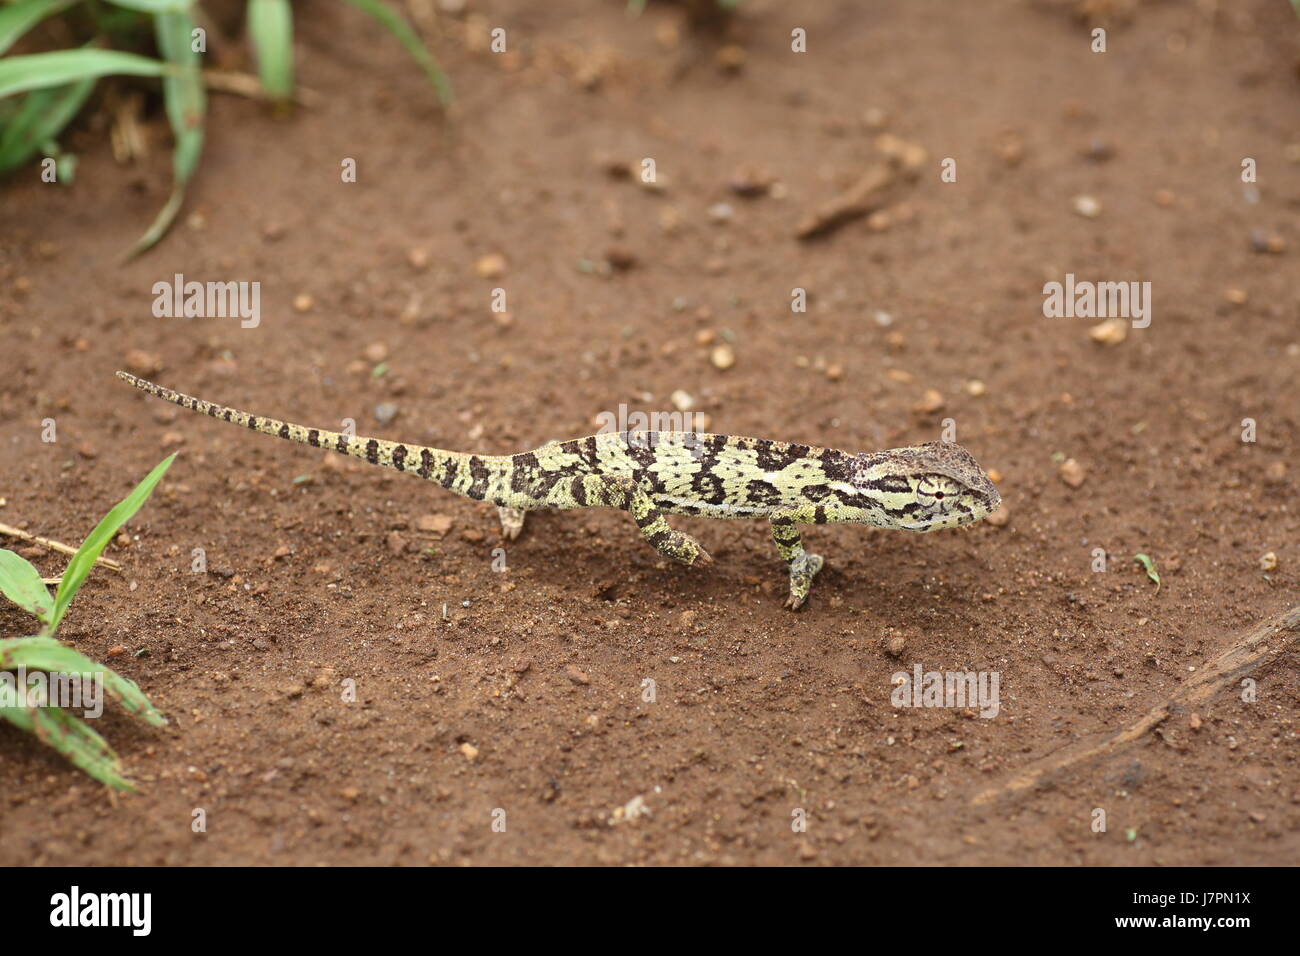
928, 487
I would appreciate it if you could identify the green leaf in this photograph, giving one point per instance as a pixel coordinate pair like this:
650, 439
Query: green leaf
35, 71
270, 26
47, 654
17, 18
81, 563
74, 739
22, 584
1150, 566
396, 24
186, 103
41, 118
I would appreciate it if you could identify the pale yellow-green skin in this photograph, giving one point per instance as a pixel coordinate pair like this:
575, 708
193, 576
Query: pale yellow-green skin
649, 474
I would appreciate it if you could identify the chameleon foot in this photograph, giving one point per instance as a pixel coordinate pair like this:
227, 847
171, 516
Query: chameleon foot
802, 569
512, 522
682, 547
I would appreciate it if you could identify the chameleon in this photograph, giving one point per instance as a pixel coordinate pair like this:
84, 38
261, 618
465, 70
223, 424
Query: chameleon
650, 474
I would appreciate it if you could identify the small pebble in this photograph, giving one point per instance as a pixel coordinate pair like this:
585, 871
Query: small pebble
1268, 562
1072, 473
491, 266
723, 357
1110, 332
302, 302
1087, 206
385, 412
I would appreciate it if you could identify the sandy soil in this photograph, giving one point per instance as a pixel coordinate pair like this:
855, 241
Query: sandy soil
526, 694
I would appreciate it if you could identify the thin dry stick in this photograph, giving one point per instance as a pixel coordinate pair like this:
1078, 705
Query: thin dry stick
55, 545
245, 84
1258, 647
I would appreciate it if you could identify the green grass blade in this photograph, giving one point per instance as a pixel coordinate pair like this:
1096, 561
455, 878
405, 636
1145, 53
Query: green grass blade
81, 563
47, 654
22, 584
18, 74
186, 103
396, 24
270, 26
41, 118
17, 18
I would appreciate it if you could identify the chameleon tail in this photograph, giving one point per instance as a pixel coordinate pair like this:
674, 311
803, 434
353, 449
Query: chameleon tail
471, 476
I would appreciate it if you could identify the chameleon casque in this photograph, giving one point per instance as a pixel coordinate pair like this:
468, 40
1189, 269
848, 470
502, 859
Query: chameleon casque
649, 474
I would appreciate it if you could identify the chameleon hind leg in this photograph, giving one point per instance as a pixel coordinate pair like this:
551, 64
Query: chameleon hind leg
512, 521
620, 491
803, 566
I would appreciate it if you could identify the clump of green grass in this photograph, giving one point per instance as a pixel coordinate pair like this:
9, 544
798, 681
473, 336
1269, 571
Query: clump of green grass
22, 584
41, 93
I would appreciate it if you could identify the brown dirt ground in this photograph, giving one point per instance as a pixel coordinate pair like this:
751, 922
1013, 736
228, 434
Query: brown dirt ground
759, 711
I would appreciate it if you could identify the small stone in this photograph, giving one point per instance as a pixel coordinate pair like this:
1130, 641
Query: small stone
117, 650
620, 257
1087, 206
1267, 562
682, 401
731, 58
1072, 473
896, 646
418, 258
577, 676
385, 412
1275, 471
931, 401
1267, 242
1110, 332
1000, 517
995, 476
350, 794
491, 266
282, 552
469, 751
139, 362
975, 388
721, 212
1236, 296
86, 450
834, 372
433, 524
303, 302
172, 438
1194, 721
375, 352
395, 542
723, 357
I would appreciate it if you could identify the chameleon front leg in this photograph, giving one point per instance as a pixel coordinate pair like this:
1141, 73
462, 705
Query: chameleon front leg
621, 491
512, 521
803, 566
